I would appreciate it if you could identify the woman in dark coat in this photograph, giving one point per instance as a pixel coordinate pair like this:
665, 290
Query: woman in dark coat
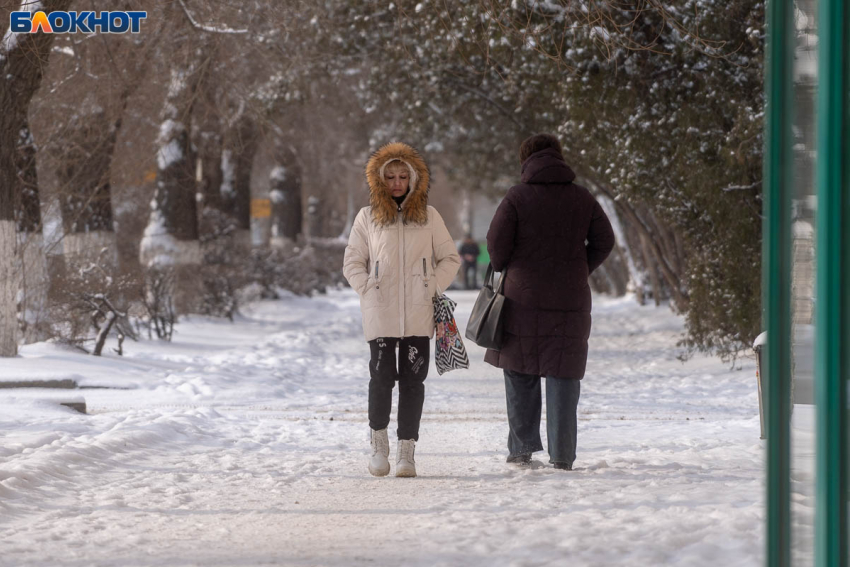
547, 236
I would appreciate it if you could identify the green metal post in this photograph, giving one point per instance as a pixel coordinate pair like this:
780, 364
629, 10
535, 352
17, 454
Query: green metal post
831, 322
776, 277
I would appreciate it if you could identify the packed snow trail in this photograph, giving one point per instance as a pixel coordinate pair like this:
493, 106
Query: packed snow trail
246, 444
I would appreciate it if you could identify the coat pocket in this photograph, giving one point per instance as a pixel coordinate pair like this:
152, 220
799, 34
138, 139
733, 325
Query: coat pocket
423, 284
373, 297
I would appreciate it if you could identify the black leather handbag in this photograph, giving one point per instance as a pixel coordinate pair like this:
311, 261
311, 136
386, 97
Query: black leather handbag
485, 322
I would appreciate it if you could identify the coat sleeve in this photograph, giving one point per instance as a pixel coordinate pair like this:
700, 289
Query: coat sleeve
355, 265
501, 235
600, 238
445, 254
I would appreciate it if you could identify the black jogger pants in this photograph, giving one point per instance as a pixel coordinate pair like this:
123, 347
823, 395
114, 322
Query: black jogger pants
410, 373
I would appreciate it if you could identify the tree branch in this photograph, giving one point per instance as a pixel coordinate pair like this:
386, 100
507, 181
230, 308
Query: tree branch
206, 28
508, 114
742, 187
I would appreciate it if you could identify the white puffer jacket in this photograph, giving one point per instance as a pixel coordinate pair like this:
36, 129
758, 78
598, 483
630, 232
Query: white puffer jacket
397, 261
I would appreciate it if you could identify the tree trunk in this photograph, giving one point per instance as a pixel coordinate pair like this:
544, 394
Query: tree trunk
171, 237
671, 277
214, 221
680, 249
603, 280
8, 289
31, 262
29, 202
663, 236
23, 58
8, 214
242, 144
209, 146
210, 126
315, 217
215, 172
83, 172
632, 276
466, 216
285, 196
350, 211
85, 156
650, 268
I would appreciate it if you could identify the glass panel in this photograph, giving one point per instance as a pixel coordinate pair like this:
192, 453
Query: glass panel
803, 244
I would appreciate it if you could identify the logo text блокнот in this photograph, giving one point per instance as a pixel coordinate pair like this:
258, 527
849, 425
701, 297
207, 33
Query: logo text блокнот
73, 22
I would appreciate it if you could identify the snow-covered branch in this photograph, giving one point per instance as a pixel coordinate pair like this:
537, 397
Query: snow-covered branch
742, 187
104, 316
482, 95
208, 28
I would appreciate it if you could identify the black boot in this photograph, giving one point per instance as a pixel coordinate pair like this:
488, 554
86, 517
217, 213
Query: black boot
521, 460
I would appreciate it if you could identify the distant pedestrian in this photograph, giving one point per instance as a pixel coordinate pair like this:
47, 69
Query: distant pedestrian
399, 256
469, 252
547, 236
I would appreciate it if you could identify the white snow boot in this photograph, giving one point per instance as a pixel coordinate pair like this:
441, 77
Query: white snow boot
379, 464
405, 465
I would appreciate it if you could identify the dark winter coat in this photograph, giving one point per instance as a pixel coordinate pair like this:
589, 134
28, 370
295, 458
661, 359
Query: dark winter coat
538, 235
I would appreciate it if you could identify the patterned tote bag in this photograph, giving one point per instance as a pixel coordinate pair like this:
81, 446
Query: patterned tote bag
449, 352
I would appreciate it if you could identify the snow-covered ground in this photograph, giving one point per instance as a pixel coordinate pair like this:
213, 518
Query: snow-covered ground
245, 444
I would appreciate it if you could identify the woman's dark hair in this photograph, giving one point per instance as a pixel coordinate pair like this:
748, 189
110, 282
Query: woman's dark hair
536, 143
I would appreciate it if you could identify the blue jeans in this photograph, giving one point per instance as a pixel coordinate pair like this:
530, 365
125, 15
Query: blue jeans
524, 407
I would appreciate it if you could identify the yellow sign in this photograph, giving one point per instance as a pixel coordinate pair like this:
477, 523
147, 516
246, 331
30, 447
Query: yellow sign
261, 208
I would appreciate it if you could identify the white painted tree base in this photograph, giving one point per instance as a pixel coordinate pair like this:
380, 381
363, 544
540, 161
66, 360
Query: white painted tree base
33, 284
183, 258
165, 250
8, 290
99, 245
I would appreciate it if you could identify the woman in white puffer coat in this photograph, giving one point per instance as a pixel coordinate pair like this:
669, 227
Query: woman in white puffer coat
399, 256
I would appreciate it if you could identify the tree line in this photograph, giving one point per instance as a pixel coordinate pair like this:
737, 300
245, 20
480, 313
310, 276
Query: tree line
142, 151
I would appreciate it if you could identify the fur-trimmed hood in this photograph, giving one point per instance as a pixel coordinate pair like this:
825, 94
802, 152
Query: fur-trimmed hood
415, 206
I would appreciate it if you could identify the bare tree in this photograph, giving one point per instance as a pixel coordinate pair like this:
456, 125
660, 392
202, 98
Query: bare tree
171, 237
31, 262
209, 134
84, 146
83, 173
22, 61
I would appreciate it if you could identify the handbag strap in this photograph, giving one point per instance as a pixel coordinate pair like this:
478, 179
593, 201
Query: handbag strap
501, 289
490, 275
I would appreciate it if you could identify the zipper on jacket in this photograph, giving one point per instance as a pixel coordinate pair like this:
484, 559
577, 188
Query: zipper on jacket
377, 285
401, 278
424, 267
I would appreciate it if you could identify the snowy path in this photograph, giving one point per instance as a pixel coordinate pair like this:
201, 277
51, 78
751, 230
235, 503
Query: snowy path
245, 444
